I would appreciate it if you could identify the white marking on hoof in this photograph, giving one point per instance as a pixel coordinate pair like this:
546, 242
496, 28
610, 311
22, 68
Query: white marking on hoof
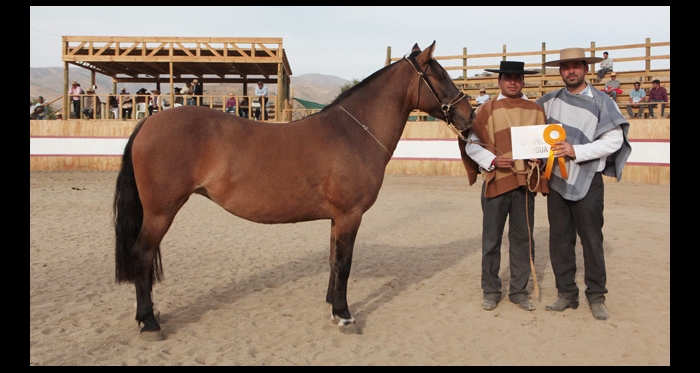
346, 322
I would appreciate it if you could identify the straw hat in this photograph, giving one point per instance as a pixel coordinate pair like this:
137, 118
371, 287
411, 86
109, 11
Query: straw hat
573, 54
613, 74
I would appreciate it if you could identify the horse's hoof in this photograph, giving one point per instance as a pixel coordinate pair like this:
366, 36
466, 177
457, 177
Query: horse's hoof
346, 322
152, 336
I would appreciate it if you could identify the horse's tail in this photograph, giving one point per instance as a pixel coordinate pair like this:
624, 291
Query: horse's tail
128, 218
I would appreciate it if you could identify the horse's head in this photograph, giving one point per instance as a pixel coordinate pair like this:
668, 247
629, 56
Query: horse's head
439, 96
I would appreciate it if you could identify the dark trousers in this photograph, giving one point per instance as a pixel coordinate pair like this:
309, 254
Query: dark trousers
652, 106
566, 220
512, 206
262, 109
76, 108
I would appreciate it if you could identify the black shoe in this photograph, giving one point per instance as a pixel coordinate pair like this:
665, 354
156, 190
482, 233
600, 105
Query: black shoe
562, 303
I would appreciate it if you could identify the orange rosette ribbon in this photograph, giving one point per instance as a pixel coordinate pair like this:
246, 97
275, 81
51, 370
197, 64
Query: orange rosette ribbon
554, 133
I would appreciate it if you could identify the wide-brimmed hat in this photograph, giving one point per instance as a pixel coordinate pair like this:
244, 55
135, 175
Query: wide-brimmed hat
511, 67
74, 83
613, 74
573, 54
142, 90
155, 90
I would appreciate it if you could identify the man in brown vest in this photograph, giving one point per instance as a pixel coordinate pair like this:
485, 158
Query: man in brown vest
508, 191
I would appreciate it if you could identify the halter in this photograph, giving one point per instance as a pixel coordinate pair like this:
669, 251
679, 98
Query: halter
443, 106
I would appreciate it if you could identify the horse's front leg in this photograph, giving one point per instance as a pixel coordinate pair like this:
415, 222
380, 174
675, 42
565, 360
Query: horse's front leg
343, 234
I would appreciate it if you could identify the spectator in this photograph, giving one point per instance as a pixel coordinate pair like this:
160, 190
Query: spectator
92, 105
657, 93
507, 194
243, 108
75, 91
261, 92
231, 104
178, 98
197, 91
156, 102
637, 96
612, 87
596, 144
113, 103
187, 93
482, 97
605, 66
127, 104
38, 110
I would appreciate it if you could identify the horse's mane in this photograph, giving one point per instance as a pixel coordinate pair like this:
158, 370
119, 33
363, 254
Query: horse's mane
365, 82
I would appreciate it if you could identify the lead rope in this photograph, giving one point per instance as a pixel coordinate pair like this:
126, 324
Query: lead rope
529, 189
367, 129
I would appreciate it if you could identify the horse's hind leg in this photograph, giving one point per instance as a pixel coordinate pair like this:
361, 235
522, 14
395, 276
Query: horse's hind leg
147, 250
343, 234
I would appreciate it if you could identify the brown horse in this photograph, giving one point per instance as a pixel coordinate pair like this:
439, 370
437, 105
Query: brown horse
329, 165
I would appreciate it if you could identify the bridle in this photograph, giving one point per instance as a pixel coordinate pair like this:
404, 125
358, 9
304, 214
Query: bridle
445, 107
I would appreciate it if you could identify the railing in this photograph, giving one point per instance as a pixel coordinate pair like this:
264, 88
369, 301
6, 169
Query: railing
217, 102
645, 62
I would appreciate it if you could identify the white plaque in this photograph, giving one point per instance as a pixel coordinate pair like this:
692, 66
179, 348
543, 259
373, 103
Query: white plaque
528, 142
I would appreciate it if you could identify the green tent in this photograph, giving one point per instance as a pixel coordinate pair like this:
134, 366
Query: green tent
310, 104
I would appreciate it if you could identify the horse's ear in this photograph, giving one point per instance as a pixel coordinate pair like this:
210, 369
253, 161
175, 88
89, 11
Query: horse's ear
415, 48
427, 54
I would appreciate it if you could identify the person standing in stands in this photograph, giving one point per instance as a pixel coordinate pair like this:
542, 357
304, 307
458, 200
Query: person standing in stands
197, 91
127, 103
596, 144
261, 92
75, 91
507, 193
187, 93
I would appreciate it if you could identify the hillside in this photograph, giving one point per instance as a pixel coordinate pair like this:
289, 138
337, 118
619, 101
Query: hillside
48, 82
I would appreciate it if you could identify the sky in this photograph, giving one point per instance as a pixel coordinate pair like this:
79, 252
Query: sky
351, 42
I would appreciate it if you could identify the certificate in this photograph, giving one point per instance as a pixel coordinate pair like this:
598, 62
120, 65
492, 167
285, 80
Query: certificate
529, 142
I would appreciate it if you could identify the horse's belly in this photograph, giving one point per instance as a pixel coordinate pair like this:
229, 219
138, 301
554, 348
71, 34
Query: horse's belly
274, 208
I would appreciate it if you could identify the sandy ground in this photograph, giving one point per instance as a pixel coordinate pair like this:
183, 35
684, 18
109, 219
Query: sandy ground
241, 293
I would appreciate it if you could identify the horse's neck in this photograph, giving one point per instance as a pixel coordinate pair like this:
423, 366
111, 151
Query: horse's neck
383, 107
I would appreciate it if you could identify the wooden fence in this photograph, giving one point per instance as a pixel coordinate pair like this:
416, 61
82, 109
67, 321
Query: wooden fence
641, 62
425, 148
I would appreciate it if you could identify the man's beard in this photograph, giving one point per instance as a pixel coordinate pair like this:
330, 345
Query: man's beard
575, 84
